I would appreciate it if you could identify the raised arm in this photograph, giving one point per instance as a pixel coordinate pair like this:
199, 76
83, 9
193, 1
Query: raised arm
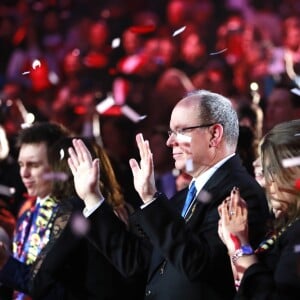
86, 173
143, 172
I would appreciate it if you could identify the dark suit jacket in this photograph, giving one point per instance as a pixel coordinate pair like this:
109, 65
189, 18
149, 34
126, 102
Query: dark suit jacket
188, 260
73, 269
277, 275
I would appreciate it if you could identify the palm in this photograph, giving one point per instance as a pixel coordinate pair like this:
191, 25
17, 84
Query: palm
84, 170
143, 175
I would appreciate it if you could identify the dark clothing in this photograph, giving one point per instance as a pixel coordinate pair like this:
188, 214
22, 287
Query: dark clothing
70, 267
277, 275
189, 261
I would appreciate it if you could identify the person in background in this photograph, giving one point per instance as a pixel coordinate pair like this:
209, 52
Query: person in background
188, 259
282, 105
35, 216
271, 271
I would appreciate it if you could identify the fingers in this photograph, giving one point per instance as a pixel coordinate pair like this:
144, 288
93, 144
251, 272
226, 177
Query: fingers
225, 216
96, 168
82, 152
71, 166
144, 147
78, 154
234, 198
73, 161
141, 145
134, 166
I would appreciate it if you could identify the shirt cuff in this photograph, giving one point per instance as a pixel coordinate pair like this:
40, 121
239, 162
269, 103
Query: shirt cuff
156, 195
88, 211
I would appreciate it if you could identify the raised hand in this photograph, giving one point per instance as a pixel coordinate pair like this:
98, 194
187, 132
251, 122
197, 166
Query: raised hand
86, 173
143, 172
233, 224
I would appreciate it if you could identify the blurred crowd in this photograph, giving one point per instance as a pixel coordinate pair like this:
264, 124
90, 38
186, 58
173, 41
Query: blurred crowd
64, 60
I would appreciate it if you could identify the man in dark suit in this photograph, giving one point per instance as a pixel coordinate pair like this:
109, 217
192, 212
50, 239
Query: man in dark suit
188, 260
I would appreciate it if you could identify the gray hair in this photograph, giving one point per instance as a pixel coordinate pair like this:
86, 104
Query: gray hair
215, 108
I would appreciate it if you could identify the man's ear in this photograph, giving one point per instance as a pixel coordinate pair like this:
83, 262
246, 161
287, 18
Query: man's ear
216, 131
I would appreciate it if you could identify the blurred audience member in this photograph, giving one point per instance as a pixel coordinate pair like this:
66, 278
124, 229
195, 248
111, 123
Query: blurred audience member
282, 105
74, 102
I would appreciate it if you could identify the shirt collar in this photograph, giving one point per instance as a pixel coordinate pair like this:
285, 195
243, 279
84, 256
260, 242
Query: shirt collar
204, 177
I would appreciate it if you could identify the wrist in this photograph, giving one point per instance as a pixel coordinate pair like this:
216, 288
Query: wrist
244, 250
151, 197
91, 200
236, 242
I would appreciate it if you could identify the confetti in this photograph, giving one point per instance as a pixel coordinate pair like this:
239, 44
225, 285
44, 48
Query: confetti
26, 73
36, 64
218, 52
116, 43
291, 162
178, 31
131, 114
120, 90
189, 166
61, 154
143, 29
80, 225
25, 125
297, 248
58, 176
7, 190
204, 197
29, 118
105, 104
131, 64
296, 91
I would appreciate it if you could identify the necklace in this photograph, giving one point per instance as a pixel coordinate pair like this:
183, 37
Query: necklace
270, 241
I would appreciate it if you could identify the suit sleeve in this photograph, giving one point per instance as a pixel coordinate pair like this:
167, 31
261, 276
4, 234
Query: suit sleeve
129, 250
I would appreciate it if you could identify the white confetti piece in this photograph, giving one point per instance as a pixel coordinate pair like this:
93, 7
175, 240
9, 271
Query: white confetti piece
204, 197
26, 73
297, 248
105, 104
296, 91
115, 43
80, 225
291, 162
131, 114
57, 176
189, 166
178, 31
218, 52
7, 190
61, 154
36, 64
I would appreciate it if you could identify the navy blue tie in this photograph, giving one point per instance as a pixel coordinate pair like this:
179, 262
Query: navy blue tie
189, 198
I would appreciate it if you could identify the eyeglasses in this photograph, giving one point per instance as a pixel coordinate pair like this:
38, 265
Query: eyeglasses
187, 129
